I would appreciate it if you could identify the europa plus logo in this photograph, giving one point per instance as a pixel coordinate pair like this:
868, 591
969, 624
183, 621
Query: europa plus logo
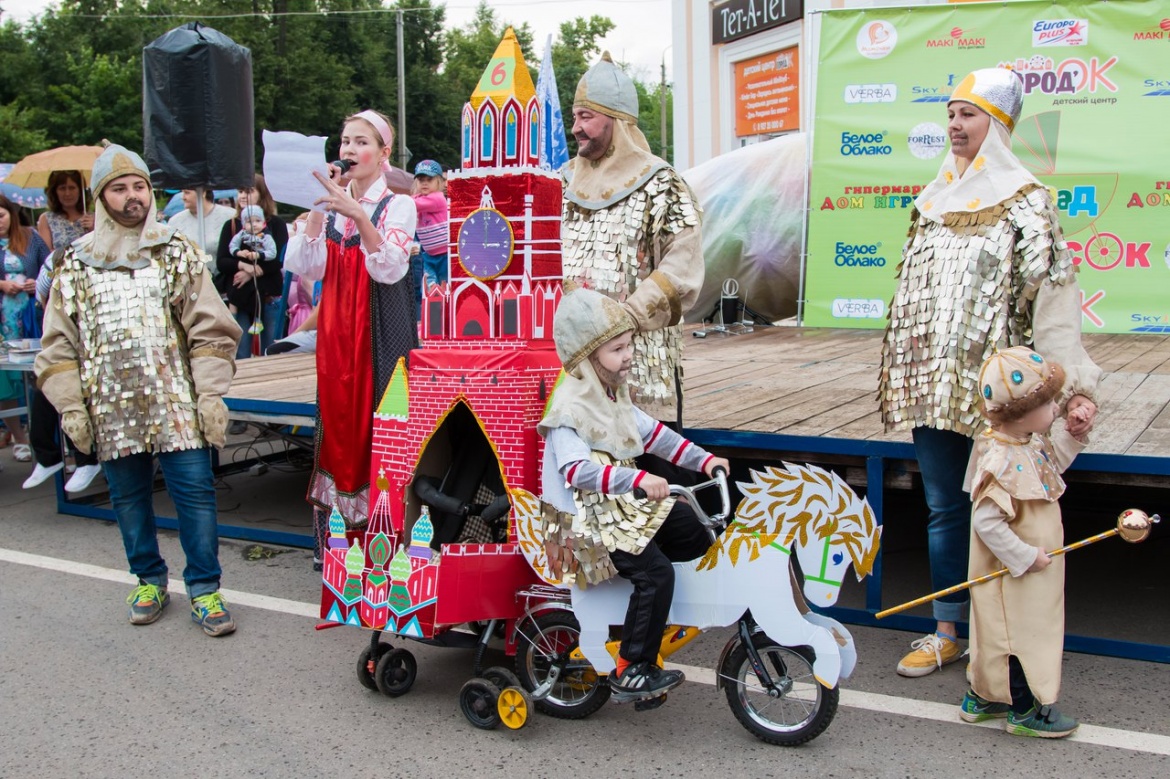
957, 38
1060, 32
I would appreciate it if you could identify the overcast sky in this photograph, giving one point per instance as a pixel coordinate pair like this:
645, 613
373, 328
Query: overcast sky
641, 35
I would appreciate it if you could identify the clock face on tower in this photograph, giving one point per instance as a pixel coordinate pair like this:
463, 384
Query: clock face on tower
485, 243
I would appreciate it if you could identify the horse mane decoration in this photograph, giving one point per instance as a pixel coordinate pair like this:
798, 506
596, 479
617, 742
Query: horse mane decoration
794, 505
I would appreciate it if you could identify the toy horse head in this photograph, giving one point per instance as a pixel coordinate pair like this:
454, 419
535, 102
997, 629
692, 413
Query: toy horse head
815, 512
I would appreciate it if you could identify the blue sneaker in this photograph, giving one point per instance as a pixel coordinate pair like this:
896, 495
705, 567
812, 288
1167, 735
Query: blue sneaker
147, 602
210, 613
976, 709
1041, 722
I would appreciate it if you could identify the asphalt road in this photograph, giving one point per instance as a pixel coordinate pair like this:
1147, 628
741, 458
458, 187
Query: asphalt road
86, 694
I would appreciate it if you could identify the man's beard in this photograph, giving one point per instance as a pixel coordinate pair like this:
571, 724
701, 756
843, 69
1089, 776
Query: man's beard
133, 213
588, 148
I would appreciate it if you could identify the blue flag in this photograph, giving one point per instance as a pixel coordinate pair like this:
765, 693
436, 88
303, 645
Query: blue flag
554, 148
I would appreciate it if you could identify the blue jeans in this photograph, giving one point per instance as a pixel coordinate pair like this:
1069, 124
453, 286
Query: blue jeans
268, 313
942, 459
190, 484
433, 267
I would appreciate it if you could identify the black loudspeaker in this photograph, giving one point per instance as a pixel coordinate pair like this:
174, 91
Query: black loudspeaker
197, 114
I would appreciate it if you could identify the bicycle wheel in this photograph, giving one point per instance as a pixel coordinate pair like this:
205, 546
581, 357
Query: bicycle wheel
552, 637
799, 714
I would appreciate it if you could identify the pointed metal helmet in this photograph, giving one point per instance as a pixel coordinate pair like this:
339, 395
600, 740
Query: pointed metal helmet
607, 90
584, 321
997, 91
116, 161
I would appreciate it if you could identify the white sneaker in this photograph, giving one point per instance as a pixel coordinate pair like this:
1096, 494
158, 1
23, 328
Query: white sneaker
82, 477
41, 474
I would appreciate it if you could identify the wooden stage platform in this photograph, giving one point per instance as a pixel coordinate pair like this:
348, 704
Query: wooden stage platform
788, 390
779, 388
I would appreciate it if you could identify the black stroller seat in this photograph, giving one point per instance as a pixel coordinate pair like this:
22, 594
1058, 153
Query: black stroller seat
469, 503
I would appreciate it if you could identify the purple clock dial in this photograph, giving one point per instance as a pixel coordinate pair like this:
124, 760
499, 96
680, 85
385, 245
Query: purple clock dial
485, 243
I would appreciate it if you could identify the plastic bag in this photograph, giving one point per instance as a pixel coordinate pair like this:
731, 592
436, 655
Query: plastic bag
197, 110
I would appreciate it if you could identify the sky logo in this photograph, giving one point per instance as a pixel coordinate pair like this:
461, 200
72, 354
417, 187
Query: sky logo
1157, 87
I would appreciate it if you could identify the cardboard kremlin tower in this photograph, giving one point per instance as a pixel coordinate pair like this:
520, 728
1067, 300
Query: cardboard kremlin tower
478, 385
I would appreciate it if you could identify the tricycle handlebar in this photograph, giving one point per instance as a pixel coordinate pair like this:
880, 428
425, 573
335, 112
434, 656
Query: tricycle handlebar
688, 495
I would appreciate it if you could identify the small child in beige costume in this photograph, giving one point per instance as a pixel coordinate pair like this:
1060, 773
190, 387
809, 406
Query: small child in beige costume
1017, 621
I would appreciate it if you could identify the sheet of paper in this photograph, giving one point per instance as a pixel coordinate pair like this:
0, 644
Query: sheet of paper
289, 161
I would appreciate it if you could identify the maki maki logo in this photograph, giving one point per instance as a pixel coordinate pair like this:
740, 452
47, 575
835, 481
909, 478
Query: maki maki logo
957, 38
1157, 33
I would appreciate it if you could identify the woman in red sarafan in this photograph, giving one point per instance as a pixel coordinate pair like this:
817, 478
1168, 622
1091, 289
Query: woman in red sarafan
359, 247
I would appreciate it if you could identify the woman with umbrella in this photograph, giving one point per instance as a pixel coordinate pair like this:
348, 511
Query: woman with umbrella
66, 220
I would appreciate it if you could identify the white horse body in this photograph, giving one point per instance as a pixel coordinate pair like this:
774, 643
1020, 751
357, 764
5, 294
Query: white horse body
718, 598
797, 507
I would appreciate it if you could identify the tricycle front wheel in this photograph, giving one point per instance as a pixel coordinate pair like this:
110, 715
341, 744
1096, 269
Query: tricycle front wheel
800, 709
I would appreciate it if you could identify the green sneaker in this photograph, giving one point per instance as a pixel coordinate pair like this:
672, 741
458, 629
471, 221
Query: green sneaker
147, 602
1041, 722
976, 709
211, 615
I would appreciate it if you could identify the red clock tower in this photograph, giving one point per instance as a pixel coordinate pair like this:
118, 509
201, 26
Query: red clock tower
462, 414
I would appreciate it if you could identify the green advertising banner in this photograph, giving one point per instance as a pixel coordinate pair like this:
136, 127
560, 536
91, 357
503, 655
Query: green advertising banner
1097, 103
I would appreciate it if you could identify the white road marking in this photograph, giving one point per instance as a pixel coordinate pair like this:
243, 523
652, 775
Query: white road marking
946, 712
1133, 741
174, 586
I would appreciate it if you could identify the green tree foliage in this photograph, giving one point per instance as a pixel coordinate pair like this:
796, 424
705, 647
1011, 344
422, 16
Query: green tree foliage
469, 49
18, 135
650, 115
74, 74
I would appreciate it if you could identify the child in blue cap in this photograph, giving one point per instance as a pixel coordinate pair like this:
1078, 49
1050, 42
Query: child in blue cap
430, 198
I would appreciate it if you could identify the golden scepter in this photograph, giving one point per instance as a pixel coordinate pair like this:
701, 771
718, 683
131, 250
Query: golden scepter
1133, 525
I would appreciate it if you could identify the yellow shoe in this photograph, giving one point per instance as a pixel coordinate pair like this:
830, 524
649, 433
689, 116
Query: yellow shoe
928, 654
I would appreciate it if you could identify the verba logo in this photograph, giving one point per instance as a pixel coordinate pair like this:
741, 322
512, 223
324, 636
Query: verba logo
876, 39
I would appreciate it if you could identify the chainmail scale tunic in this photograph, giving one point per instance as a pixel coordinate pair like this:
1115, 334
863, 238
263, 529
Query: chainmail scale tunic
954, 306
135, 379
612, 250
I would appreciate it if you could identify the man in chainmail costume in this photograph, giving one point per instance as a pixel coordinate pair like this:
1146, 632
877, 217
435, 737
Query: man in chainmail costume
630, 231
138, 351
985, 267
